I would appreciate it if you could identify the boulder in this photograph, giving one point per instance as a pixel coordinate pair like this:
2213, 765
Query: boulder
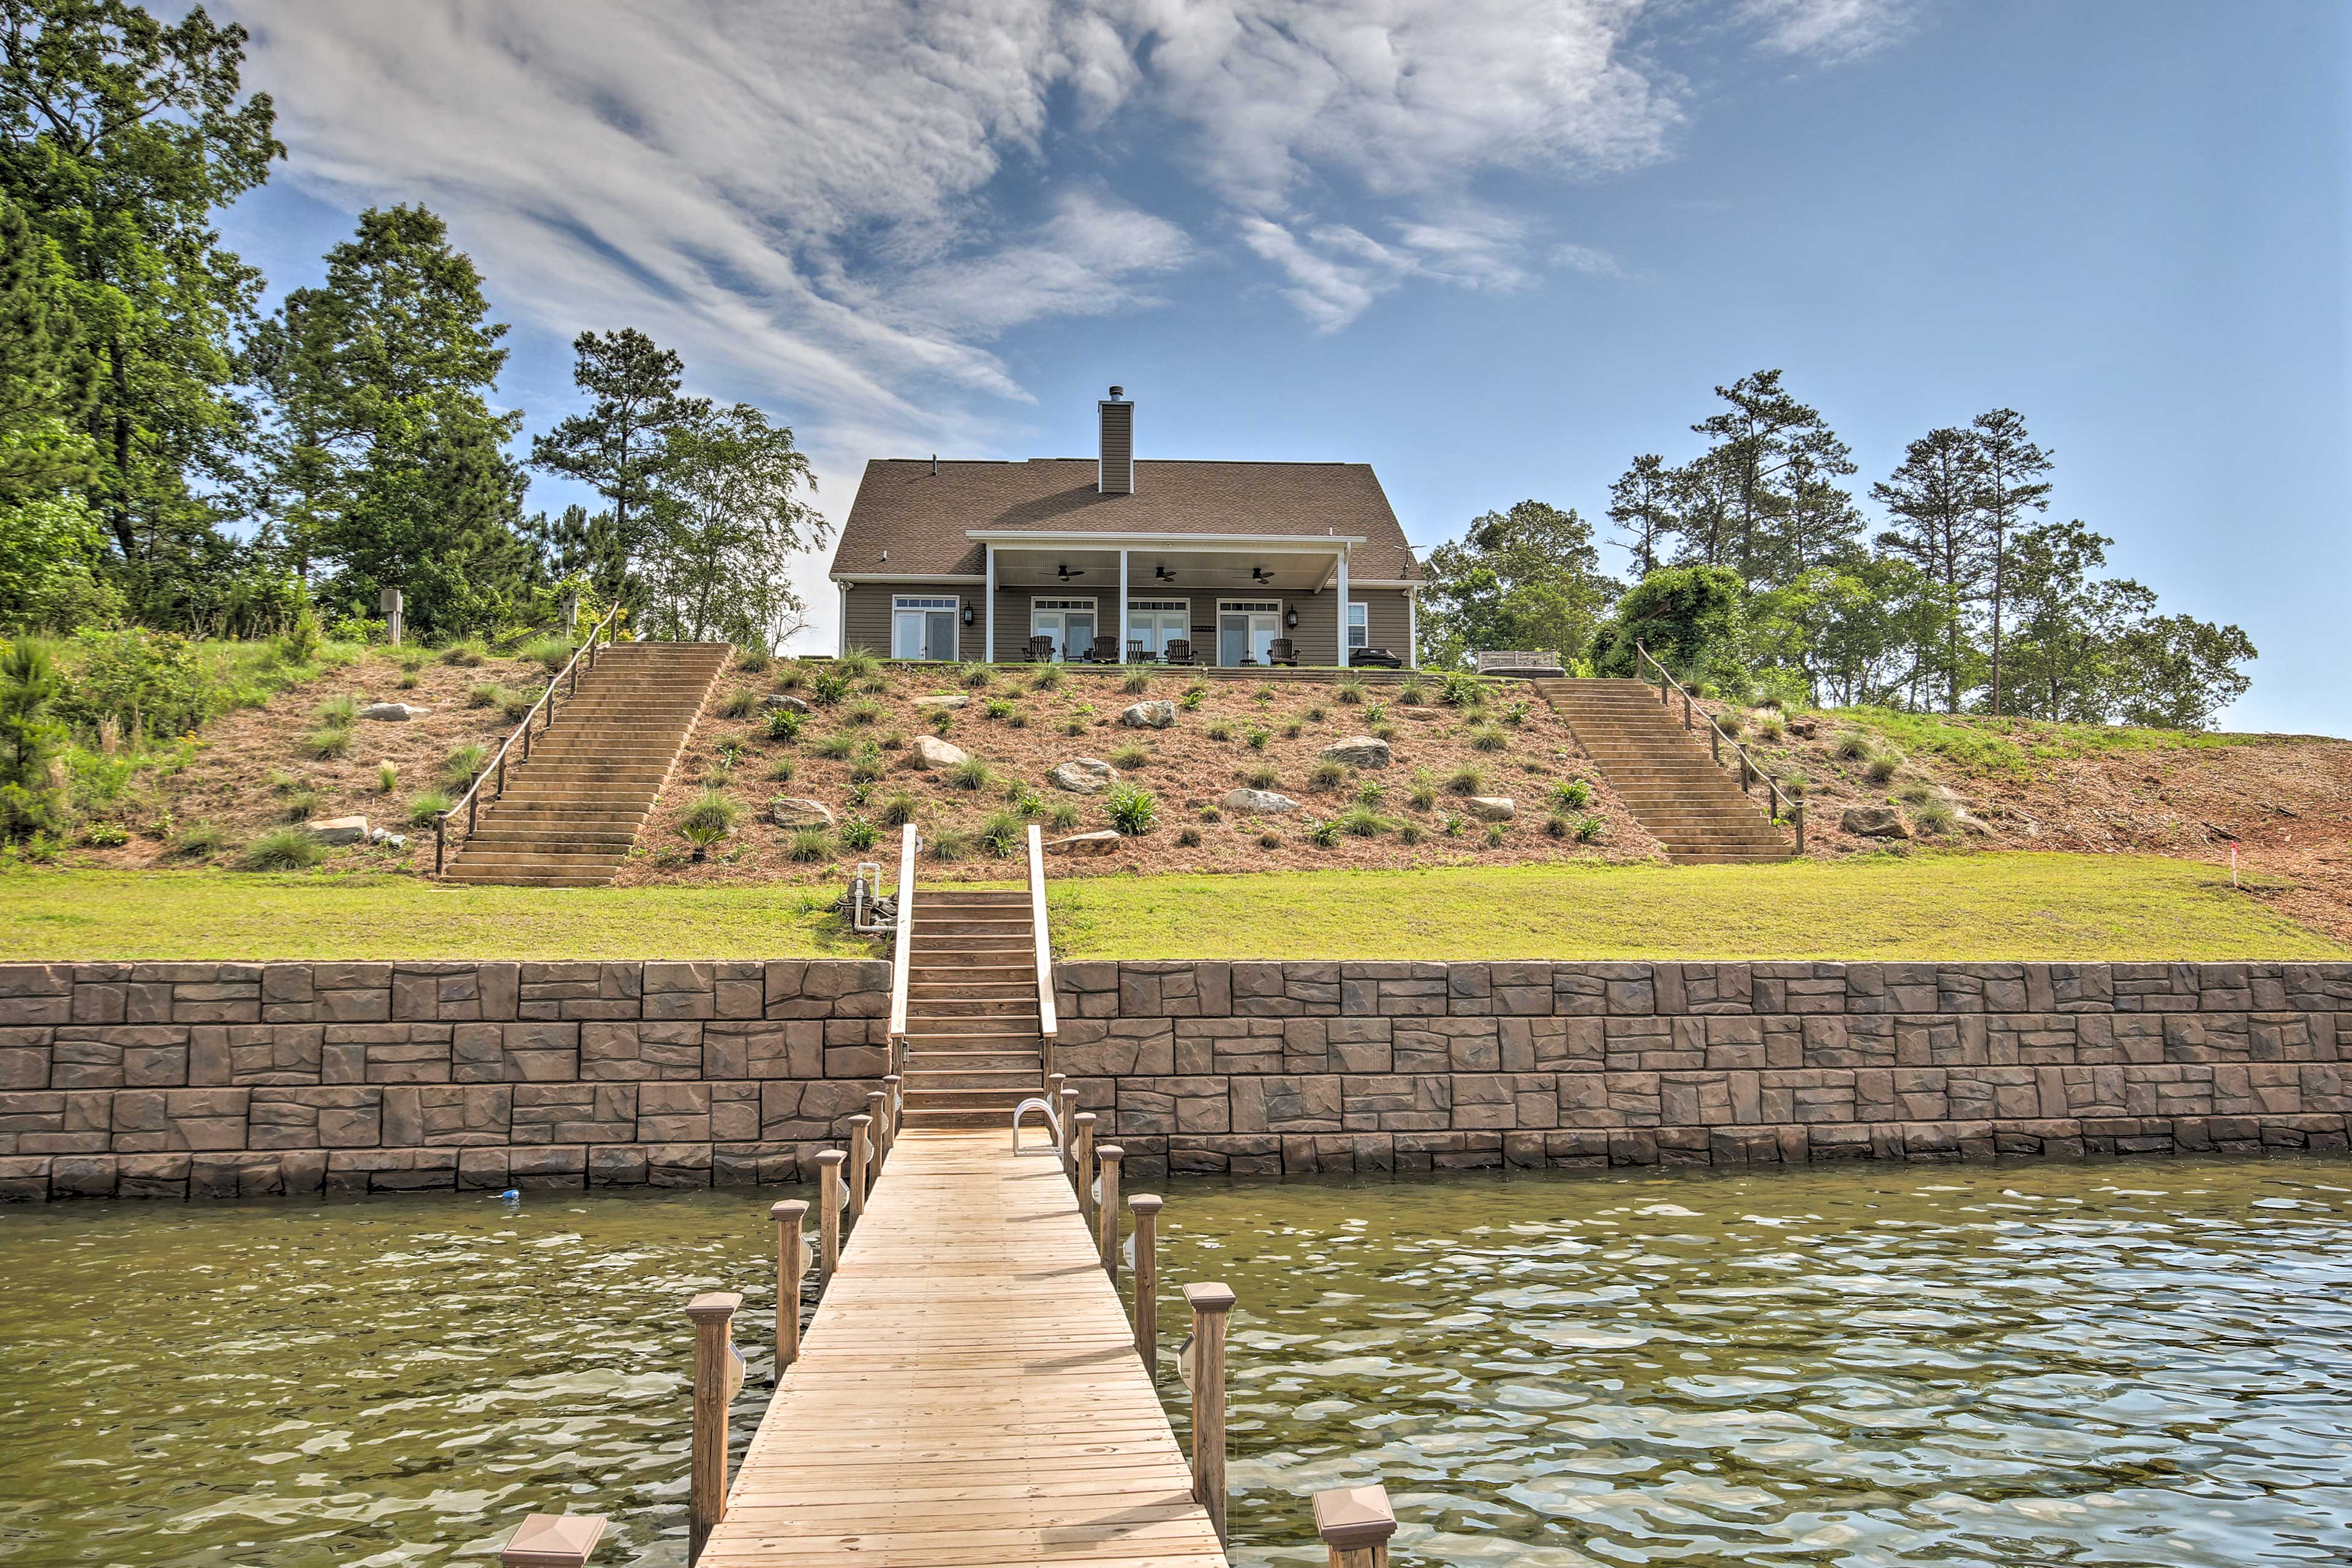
1358, 751
338, 829
1262, 801
1102, 842
1492, 808
930, 752
392, 712
1149, 716
795, 811
788, 702
944, 700
1083, 775
1804, 728
1875, 822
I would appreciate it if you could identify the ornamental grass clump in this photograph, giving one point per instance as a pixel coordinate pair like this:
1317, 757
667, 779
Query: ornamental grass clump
975, 675
1486, 738
793, 676
1005, 834
463, 762
898, 809
1412, 693
1220, 730
1130, 756
1269, 839
387, 778
1772, 727
1350, 690
1327, 776
465, 654
200, 840
947, 844
808, 845
282, 850
1362, 822
1136, 681
1934, 816
1188, 837
425, 807
1570, 794
1410, 832
858, 664
1465, 781
752, 661
739, 704
1063, 817
864, 710
1882, 766
1046, 679
552, 654
1850, 746
484, 694
836, 746
1132, 811
972, 774
327, 744
1261, 778
711, 818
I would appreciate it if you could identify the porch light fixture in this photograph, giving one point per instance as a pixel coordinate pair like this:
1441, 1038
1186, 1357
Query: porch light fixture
970, 615
1290, 617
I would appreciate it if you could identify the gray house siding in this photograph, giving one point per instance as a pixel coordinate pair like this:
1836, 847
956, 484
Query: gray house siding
866, 616
867, 620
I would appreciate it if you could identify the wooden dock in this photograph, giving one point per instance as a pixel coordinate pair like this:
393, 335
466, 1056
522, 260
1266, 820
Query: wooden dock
969, 1393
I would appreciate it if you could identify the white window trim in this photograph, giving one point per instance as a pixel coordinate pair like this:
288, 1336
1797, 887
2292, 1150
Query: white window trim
1359, 618
1153, 604
1038, 602
1250, 606
925, 604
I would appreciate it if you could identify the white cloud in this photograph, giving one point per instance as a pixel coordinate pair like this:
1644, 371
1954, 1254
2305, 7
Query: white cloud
1830, 30
1584, 258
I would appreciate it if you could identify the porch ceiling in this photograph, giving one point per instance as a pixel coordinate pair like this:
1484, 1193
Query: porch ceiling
1096, 570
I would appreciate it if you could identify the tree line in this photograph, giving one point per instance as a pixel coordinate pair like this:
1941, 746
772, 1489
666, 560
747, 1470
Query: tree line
1755, 569
174, 456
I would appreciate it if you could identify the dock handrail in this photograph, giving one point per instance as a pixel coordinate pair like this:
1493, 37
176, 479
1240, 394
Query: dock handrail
902, 945
1718, 740
544, 709
1048, 1023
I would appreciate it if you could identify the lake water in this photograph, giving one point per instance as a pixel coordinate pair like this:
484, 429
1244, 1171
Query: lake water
2096, 1363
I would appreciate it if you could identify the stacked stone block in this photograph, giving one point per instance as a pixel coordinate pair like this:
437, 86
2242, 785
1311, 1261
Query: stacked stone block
222, 1080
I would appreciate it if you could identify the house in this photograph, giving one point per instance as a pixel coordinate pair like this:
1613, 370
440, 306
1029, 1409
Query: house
970, 560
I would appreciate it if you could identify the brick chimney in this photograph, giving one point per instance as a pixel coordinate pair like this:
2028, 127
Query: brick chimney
1115, 471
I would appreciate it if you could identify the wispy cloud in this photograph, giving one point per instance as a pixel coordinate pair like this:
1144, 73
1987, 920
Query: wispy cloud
1833, 31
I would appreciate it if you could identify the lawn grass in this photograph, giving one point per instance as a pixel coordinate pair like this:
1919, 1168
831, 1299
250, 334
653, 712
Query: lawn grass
1957, 906
1985, 745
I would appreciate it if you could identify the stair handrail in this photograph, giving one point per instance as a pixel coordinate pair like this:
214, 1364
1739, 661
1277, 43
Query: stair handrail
902, 945
1718, 740
544, 708
1048, 1022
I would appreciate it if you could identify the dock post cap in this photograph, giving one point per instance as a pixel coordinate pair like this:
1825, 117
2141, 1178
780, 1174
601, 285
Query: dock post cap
1145, 1203
790, 1208
860, 1118
714, 1304
1109, 1152
554, 1541
1083, 1115
1210, 1296
832, 1156
1353, 1518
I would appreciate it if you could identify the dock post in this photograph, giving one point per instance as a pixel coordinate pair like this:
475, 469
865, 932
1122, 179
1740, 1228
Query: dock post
1146, 1206
718, 1377
878, 1106
860, 1164
897, 1106
791, 1262
828, 1206
1210, 1302
1068, 1109
1110, 1154
1086, 1156
1355, 1524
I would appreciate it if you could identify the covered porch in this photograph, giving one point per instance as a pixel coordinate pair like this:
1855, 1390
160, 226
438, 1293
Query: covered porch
1208, 601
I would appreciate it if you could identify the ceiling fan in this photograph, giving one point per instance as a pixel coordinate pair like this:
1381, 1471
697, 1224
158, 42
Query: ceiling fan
1257, 574
1163, 575
1065, 574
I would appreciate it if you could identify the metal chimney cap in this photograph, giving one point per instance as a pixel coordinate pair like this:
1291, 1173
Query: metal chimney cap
1118, 391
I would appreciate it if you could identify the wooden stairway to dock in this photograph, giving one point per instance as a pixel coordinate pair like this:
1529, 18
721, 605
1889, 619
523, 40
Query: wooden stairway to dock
974, 1045
1664, 775
571, 812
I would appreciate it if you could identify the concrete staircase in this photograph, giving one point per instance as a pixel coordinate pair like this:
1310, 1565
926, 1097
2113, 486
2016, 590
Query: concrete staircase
1664, 773
973, 1050
570, 813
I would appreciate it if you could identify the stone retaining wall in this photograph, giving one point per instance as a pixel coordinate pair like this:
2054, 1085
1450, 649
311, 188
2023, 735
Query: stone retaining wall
223, 1079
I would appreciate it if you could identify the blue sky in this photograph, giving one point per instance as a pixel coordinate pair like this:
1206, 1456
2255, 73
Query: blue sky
1494, 249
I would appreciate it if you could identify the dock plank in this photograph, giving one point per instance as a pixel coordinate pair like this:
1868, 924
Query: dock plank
968, 1396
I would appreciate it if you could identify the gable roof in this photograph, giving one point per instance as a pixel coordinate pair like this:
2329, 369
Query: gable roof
921, 517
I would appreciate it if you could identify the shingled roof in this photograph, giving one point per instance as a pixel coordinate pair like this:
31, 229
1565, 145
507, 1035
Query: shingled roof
921, 516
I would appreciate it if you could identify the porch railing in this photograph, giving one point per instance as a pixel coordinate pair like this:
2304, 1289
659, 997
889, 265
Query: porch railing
1750, 773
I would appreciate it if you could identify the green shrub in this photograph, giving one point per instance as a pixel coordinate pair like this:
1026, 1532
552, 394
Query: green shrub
860, 793
1047, 678
1327, 776
1495, 835
946, 845
1371, 792
1027, 801
1063, 817
810, 844
827, 687
463, 762
199, 840
711, 818
465, 654
1256, 737
836, 746
1261, 778
1412, 693
1450, 825
1590, 829
898, 810
781, 770
1001, 708
739, 704
864, 710
1882, 765
1486, 738
1570, 794
1350, 689
1132, 811
1560, 826
1362, 822
327, 744
1410, 832
339, 712
1005, 834
1220, 730
858, 664
973, 675
550, 654
1317, 714
972, 774
1515, 714
1191, 697
1188, 837
1461, 689
387, 778
1136, 681
783, 725
425, 807
1850, 746
1467, 781
1269, 839
484, 694
858, 835
282, 850
1323, 833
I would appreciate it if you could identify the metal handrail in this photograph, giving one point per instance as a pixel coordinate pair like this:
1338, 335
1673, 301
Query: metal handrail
1048, 1024
1718, 740
902, 945
545, 706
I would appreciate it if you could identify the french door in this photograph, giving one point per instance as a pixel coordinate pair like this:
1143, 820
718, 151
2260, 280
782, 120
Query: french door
922, 628
1069, 622
1246, 630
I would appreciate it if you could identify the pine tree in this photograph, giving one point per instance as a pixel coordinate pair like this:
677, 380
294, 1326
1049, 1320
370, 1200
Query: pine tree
622, 445
1934, 495
2010, 490
1755, 442
1638, 505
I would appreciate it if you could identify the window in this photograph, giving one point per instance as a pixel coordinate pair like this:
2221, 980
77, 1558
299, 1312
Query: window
1156, 623
1070, 623
1359, 628
923, 628
1247, 629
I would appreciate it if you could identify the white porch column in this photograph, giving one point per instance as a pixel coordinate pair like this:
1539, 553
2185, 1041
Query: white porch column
988, 610
1343, 606
1122, 606
1411, 629
841, 650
